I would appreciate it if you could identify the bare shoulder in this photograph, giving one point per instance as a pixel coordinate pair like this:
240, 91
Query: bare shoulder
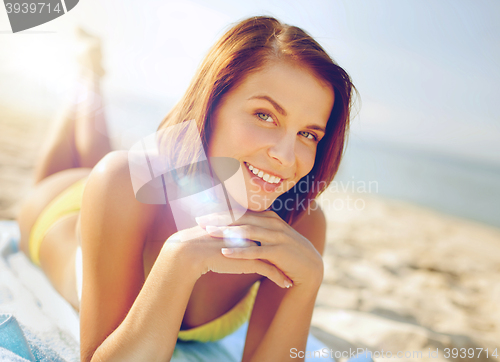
112, 170
109, 198
312, 225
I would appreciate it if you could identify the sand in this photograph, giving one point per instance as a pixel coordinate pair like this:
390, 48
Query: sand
404, 278
397, 277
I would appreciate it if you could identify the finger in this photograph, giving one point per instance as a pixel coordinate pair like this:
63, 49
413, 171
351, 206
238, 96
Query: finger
269, 254
271, 272
229, 240
239, 243
251, 252
258, 234
260, 267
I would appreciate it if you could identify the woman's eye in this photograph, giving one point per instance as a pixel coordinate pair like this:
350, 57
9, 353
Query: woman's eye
308, 135
265, 117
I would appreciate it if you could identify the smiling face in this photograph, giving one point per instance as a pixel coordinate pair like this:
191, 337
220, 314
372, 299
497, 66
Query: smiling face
271, 123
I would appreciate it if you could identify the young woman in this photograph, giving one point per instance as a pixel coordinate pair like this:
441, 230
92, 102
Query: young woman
266, 95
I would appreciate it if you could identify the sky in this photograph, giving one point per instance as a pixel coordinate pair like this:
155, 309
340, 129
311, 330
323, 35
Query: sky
426, 71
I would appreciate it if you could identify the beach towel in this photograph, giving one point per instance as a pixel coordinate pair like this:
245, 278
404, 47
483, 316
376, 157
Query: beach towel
37, 324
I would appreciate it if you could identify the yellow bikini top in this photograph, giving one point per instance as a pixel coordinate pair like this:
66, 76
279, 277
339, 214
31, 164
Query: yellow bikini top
226, 324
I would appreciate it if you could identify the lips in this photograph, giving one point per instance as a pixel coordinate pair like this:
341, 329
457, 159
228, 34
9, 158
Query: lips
267, 177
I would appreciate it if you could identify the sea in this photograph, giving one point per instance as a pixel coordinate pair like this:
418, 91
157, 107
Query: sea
448, 183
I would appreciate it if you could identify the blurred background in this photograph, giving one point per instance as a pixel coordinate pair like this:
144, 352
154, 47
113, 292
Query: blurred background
412, 259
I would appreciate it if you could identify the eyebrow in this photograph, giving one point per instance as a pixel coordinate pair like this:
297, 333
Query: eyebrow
272, 101
283, 112
316, 127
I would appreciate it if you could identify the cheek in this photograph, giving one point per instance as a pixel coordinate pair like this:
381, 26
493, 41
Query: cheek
306, 157
222, 138
233, 138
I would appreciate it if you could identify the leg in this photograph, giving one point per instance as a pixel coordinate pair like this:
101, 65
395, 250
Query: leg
80, 137
91, 133
58, 152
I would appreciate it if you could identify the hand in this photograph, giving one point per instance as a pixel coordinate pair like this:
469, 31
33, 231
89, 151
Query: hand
203, 253
280, 245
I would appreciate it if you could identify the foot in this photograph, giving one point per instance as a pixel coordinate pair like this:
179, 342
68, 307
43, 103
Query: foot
88, 53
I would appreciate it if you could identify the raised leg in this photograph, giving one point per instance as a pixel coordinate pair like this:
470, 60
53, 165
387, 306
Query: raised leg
77, 142
91, 132
58, 152
80, 137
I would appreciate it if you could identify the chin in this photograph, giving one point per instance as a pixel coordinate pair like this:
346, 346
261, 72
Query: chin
258, 203
250, 201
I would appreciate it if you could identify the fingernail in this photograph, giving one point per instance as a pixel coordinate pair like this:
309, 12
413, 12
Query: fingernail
200, 220
227, 251
206, 219
212, 229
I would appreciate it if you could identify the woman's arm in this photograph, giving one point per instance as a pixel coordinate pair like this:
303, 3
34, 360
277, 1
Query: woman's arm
122, 317
280, 322
281, 318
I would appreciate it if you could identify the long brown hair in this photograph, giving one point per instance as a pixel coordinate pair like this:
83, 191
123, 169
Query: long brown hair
244, 49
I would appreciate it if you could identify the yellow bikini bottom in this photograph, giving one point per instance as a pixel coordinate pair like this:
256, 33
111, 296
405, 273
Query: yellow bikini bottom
69, 202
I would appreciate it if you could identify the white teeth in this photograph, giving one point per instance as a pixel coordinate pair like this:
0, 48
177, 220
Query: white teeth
266, 177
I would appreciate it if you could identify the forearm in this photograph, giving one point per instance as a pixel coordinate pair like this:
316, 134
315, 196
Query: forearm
289, 328
149, 331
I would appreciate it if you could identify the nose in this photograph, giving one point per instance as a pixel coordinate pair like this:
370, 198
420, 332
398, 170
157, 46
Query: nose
283, 150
